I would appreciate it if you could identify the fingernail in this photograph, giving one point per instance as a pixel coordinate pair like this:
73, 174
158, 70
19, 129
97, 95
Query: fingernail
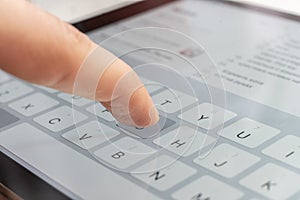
147, 119
153, 115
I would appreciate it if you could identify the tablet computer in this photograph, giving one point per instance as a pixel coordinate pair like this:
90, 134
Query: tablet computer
235, 136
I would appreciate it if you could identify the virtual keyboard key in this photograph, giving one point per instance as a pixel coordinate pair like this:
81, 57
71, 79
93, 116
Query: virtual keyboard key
60, 118
91, 134
33, 104
227, 160
148, 132
172, 101
286, 149
12, 90
249, 133
163, 172
207, 188
273, 181
207, 116
73, 99
124, 152
184, 141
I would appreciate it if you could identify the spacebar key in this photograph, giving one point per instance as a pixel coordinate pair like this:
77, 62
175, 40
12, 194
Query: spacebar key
77, 173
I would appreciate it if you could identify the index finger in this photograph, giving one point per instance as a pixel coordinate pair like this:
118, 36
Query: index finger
42, 49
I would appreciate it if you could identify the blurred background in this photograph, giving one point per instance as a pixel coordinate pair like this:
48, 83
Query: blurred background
287, 6
76, 10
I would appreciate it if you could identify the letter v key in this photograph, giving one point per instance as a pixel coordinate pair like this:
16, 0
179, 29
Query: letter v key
85, 136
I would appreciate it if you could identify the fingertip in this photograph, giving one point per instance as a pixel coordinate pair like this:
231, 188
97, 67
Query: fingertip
142, 109
122, 90
140, 112
146, 119
154, 115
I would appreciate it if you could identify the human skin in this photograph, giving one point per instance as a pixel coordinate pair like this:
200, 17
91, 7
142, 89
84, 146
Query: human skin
40, 48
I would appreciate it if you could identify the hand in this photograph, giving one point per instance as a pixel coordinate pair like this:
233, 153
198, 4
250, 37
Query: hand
42, 49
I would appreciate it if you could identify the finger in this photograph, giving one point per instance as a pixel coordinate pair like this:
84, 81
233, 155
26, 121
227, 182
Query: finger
40, 48
108, 79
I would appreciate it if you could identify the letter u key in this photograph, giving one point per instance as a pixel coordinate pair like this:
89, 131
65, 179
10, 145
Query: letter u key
241, 135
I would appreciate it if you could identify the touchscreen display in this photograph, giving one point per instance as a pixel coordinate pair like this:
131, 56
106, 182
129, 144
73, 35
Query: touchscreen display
257, 54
